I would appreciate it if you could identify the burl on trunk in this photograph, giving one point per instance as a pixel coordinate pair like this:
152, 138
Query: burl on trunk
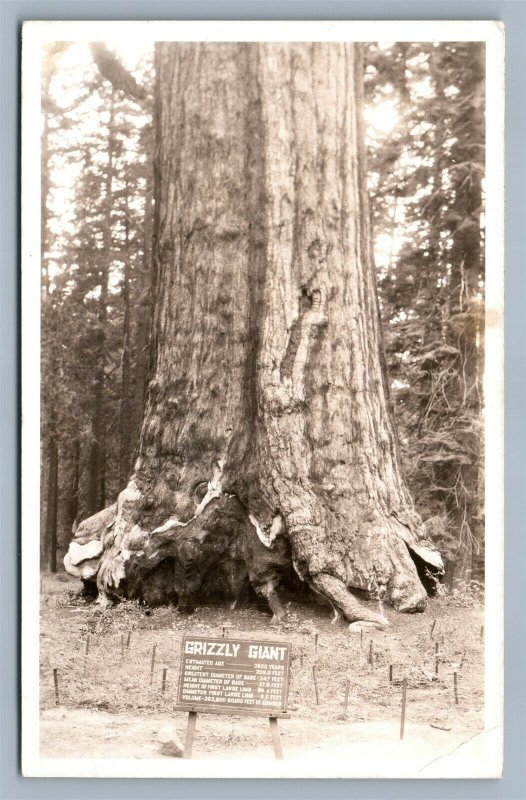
267, 450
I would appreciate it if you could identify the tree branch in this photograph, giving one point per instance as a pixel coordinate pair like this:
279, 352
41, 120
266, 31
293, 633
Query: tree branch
111, 68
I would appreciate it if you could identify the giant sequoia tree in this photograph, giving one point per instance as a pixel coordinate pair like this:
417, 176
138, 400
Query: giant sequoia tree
267, 451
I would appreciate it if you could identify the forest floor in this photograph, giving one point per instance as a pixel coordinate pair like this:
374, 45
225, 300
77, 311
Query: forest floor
110, 705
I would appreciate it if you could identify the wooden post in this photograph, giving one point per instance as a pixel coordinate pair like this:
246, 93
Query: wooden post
462, 660
346, 698
361, 637
301, 660
276, 738
404, 698
315, 642
224, 631
432, 628
436, 658
390, 673
455, 687
190, 730
122, 647
55, 680
152, 667
128, 640
482, 631
371, 653
315, 684
86, 651
163, 686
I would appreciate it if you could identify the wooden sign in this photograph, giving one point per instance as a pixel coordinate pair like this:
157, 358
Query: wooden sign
233, 676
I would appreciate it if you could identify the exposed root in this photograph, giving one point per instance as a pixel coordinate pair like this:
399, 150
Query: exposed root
268, 591
223, 549
337, 593
358, 627
336, 616
87, 548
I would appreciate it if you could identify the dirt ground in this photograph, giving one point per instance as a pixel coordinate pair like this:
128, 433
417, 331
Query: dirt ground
111, 704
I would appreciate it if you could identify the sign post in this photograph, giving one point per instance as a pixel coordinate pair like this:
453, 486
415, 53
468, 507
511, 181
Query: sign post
234, 676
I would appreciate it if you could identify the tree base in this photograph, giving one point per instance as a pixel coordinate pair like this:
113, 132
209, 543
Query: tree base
216, 556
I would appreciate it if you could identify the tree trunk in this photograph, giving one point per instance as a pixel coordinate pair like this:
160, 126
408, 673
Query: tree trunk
466, 327
71, 510
52, 505
144, 310
125, 409
267, 446
44, 175
48, 533
96, 489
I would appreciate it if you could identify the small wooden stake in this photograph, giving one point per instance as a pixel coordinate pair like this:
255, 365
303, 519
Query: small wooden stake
315, 684
86, 651
462, 660
152, 667
224, 631
404, 698
436, 658
390, 673
190, 730
432, 628
482, 631
361, 637
301, 660
122, 646
55, 680
346, 698
371, 653
128, 640
163, 687
315, 642
455, 687
276, 739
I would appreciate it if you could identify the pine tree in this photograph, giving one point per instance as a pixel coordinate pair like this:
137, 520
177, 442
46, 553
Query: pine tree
431, 290
87, 263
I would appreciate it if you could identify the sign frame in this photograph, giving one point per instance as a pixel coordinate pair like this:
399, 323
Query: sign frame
195, 707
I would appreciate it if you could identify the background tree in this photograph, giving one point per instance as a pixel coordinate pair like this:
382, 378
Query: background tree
97, 146
426, 175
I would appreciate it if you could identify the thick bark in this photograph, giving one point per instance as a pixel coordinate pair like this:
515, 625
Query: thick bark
268, 443
144, 311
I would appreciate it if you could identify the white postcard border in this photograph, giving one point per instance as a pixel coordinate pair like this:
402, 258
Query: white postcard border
486, 761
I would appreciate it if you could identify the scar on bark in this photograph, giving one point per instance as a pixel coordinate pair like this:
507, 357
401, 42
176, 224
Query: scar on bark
293, 343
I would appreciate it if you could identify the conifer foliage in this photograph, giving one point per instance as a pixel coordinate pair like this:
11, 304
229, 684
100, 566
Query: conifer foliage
96, 230
426, 176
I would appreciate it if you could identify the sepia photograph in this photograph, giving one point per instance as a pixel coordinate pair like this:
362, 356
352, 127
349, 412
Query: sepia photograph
262, 468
